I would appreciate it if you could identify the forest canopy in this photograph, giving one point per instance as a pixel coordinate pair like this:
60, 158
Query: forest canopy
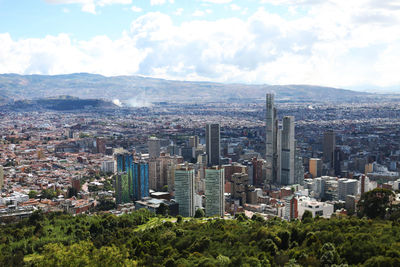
145, 239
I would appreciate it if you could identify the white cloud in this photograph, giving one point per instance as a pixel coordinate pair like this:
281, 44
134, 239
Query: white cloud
198, 13
157, 2
113, 2
218, 1
337, 43
235, 7
90, 5
178, 12
136, 9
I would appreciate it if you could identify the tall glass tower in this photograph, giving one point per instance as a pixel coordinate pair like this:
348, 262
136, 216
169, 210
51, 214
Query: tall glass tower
213, 144
215, 201
184, 190
271, 152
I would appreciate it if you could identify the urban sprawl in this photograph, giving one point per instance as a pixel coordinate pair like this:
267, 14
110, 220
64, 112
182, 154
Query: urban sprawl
272, 158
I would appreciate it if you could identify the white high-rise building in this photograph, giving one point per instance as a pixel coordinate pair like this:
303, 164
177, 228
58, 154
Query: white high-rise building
185, 190
215, 201
154, 147
108, 166
347, 187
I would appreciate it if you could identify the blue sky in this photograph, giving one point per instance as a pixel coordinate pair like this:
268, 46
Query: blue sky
350, 44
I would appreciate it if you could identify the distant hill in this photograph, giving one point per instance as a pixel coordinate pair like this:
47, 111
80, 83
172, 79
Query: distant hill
63, 103
143, 89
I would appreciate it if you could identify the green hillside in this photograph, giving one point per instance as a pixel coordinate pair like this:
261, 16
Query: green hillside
141, 239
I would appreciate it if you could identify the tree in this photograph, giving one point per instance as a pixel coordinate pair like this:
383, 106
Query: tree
48, 193
307, 216
163, 209
32, 194
199, 213
375, 203
328, 255
164, 188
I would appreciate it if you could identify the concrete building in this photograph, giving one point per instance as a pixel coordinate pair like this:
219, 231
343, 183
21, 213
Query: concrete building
213, 144
271, 152
1, 177
288, 152
184, 189
321, 209
194, 141
329, 144
215, 200
347, 187
315, 167
291, 208
240, 184
154, 147
107, 166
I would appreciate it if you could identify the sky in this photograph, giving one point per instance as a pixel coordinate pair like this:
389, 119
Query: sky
352, 44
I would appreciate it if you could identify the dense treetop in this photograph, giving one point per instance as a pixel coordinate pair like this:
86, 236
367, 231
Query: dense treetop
144, 239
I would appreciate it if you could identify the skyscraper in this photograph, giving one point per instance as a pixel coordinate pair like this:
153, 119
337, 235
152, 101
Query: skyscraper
132, 181
271, 139
140, 180
1, 177
283, 163
288, 151
329, 147
315, 167
215, 201
154, 147
184, 190
213, 144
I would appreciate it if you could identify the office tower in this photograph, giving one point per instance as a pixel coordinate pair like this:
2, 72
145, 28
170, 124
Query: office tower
124, 161
288, 151
329, 147
1, 177
132, 182
319, 187
337, 159
140, 180
194, 141
123, 180
215, 201
315, 167
213, 144
347, 187
122, 194
271, 139
187, 154
154, 147
298, 167
184, 190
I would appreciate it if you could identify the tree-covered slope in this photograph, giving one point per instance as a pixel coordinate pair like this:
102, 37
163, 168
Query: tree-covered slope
140, 239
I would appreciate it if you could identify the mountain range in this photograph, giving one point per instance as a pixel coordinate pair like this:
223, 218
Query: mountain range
138, 89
